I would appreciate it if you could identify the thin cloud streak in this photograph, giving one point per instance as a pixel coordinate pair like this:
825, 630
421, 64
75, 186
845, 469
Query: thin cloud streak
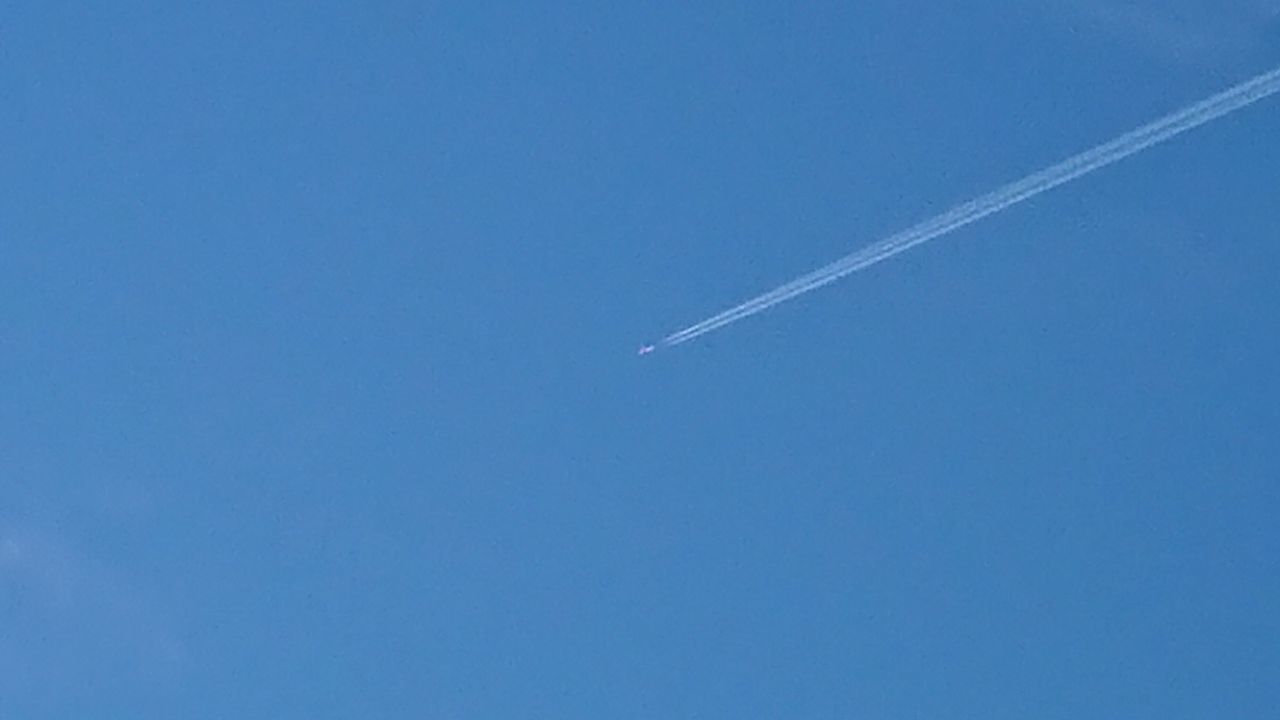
1166, 128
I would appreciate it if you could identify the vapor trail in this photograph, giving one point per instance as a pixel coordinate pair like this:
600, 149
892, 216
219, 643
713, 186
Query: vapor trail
1167, 127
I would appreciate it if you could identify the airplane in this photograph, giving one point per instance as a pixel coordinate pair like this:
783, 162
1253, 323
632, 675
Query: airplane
646, 349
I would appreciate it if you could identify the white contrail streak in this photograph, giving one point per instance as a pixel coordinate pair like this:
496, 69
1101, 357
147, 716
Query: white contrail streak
1170, 126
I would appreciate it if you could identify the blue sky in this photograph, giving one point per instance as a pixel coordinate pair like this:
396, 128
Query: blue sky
318, 332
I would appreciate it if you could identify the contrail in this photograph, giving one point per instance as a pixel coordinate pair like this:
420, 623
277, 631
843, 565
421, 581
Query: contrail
1167, 127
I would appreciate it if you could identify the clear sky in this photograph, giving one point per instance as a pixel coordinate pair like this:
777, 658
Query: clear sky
320, 396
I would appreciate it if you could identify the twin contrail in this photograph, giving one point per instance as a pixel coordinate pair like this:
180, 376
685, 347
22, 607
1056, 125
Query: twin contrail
1170, 126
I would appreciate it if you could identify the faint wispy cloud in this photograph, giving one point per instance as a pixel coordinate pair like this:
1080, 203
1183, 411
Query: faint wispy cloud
67, 621
1191, 30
